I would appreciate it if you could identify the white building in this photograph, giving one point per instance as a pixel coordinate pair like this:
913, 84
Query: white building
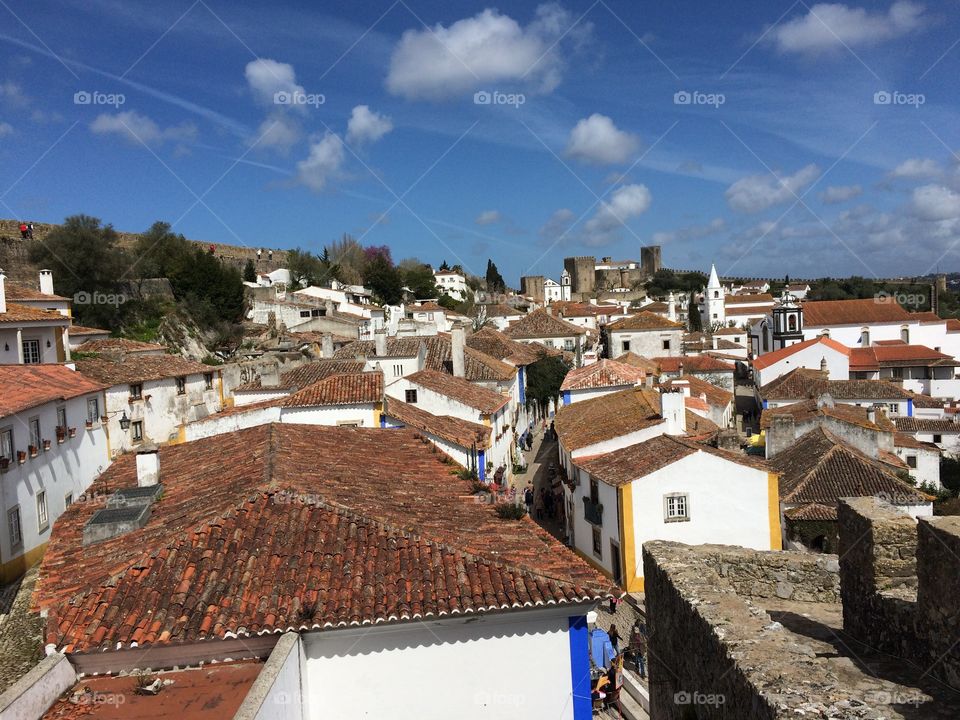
600, 378
52, 446
647, 334
29, 335
157, 395
922, 459
40, 296
820, 353
453, 284
668, 488
541, 326
704, 398
554, 291
721, 308
944, 433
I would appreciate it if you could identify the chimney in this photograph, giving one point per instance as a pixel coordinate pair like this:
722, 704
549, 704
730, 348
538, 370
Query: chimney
329, 308
148, 467
681, 386
823, 365
457, 343
46, 282
270, 376
671, 307
326, 345
872, 414
380, 342
674, 412
3, 293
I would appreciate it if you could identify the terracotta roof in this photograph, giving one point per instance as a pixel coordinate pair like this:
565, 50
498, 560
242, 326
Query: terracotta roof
21, 313
730, 331
83, 330
659, 307
541, 324
897, 355
953, 325
692, 364
305, 375
927, 316
460, 432
636, 461
716, 396
822, 313
614, 415
494, 343
723, 344
601, 374
801, 383
293, 527
119, 345
812, 409
27, 386
926, 425
768, 359
463, 391
578, 309
341, 389
19, 292
909, 441
749, 299
925, 401
501, 310
139, 368
819, 468
644, 320
631, 358
811, 512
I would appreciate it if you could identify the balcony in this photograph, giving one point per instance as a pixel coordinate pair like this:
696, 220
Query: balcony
592, 512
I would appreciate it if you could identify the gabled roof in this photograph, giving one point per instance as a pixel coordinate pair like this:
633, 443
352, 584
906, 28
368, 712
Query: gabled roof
748, 299
501, 310
820, 468
938, 426
460, 432
716, 396
768, 359
637, 461
494, 343
22, 292
645, 320
692, 364
905, 440
305, 375
83, 330
898, 355
22, 313
601, 374
122, 345
343, 389
825, 313
139, 368
639, 361
801, 383
541, 324
406, 347
29, 386
294, 527
463, 391
813, 409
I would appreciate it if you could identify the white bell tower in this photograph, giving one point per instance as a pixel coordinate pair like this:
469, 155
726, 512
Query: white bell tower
565, 285
714, 309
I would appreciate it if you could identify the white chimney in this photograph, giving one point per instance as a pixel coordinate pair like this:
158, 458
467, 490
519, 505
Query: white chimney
380, 342
148, 467
681, 386
3, 292
46, 282
674, 412
872, 414
671, 307
270, 376
458, 341
326, 346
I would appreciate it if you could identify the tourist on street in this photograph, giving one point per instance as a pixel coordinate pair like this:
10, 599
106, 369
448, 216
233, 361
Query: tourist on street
614, 636
528, 499
539, 505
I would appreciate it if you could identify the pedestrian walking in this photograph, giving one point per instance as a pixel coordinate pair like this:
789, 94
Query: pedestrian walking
614, 636
539, 505
30, 230
23, 231
638, 648
270, 255
259, 253
528, 499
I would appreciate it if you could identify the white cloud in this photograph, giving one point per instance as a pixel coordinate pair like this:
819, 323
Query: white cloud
917, 168
597, 140
11, 95
488, 217
267, 77
755, 193
367, 126
935, 202
278, 131
829, 26
323, 163
5, 129
840, 193
557, 225
691, 232
485, 49
140, 128
626, 203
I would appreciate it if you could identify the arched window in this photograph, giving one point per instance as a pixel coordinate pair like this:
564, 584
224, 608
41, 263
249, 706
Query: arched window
766, 341
905, 334
716, 293
792, 322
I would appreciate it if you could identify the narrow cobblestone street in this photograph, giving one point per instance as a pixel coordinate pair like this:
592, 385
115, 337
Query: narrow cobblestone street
21, 631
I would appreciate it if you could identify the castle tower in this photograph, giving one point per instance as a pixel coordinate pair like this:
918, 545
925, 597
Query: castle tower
582, 271
714, 296
650, 259
787, 322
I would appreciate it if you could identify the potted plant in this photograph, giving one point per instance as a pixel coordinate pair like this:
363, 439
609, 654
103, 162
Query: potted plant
89, 424
72, 432
21, 456
61, 434
104, 419
46, 445
33, 450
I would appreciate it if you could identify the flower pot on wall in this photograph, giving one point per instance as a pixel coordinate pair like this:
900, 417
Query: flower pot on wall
46, 445
72, 432
33, 450
21, 456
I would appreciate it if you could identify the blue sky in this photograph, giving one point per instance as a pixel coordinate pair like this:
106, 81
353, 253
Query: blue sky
767, 137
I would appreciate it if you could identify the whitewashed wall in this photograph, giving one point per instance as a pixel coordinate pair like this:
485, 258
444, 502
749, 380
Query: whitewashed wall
648, 343
838, 364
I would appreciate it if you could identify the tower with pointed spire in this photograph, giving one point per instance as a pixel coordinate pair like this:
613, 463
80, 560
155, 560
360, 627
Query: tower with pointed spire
714, 297
787, 322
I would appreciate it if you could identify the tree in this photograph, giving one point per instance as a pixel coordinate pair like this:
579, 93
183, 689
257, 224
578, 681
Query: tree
348, 255
307, 269
418, 277
494, 279
381, 276
693, 314
544, 378
249, 272
444, 267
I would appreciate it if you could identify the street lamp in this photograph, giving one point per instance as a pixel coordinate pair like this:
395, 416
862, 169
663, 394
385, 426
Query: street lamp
124, 422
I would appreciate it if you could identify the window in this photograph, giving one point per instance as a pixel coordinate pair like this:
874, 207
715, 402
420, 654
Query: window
865, 337
43, 520
181, 386
716, 293
136, 429
397, 370
897, 373
625, 345
666, 344
208, 381
35, 432
31, 352
594, 491
937, 439
67, 500
893, 408
136, 391
675, 508
62, 417
792, 322
568, 345
6, 443
305, 313
410, 396
93, 409
905, 334
597, 543
13, 524
912, 461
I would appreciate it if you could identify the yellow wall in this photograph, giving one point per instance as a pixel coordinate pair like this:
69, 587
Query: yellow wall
773, 501
632, 582
14, 569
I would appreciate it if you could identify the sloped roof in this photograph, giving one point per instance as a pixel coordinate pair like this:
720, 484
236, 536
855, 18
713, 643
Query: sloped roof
139, 368
83, 330
20, 292
645, 320
813, 512
307, 374
21, 313
480, 398
716, 396
639, 361
601, 374
28, 386
541, 324
768, 359
823, 313
748, 299
123, 345
293, 527
636, 461
494, 343
926, 425
801, 383
692, 364
898, 355
453, 429
820, 468
812, 409
341, 389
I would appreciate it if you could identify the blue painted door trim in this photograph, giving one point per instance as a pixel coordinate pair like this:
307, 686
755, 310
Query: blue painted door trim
580, 667
482, 465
